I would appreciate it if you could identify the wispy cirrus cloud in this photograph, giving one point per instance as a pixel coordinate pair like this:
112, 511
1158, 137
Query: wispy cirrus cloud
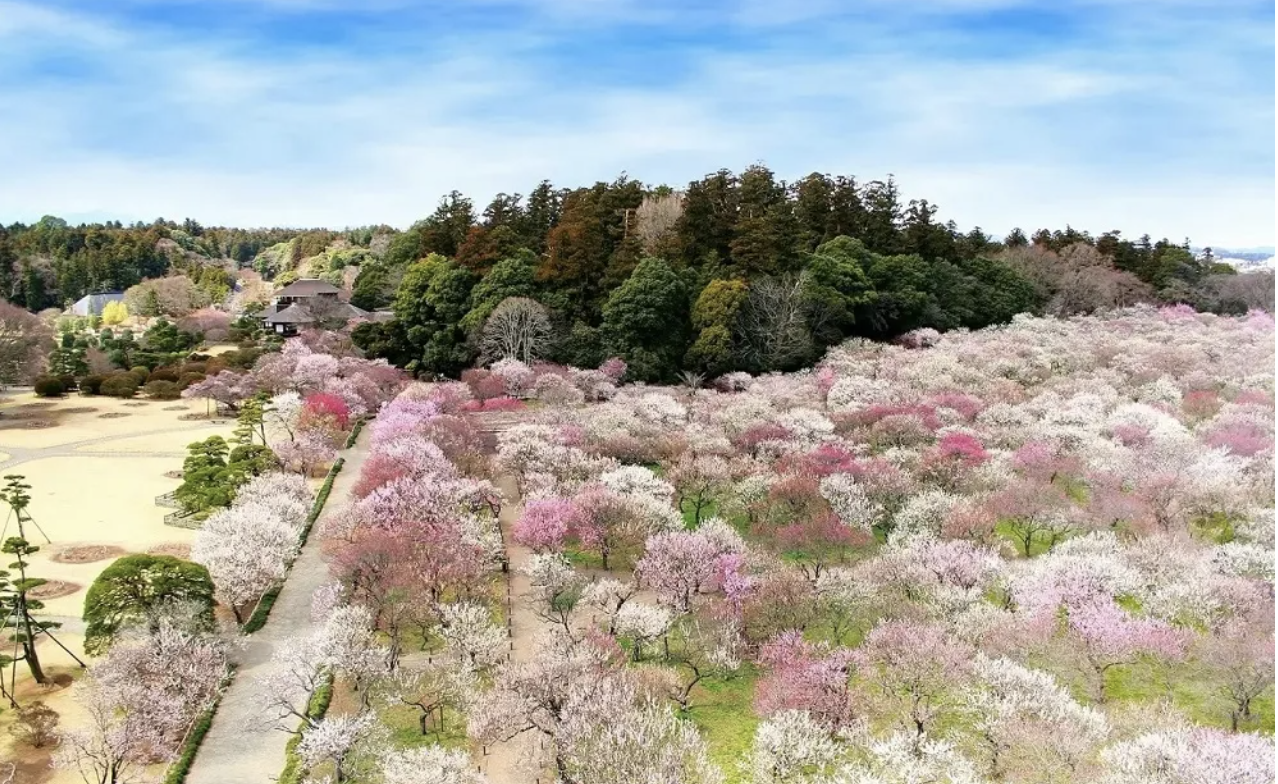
1144, 115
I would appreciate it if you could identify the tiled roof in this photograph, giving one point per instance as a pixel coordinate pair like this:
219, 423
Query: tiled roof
307, 287
293, 314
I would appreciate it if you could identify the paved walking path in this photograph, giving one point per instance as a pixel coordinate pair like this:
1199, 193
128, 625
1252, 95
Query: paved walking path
242, 747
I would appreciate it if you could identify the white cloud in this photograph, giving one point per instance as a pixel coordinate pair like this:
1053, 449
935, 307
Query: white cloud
225, 129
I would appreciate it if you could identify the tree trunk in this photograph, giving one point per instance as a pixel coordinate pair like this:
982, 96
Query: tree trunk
33, 661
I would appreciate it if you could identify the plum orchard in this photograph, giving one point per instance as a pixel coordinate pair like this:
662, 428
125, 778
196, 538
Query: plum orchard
1042, 552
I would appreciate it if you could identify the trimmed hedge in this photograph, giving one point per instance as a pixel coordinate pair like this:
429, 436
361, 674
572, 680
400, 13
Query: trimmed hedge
350, 440
186, 757
262, 612
162, 390
316, 709
91, 385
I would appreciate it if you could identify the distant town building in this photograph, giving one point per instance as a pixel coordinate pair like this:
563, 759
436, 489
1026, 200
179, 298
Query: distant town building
92, 304
292, 307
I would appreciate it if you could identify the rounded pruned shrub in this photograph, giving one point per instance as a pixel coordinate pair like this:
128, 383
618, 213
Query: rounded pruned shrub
120, 385
92, 385
162, 390
133, 588
163, 374
187, 379
49, 386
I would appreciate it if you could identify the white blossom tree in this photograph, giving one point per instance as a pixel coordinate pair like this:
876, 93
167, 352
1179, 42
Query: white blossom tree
430, 765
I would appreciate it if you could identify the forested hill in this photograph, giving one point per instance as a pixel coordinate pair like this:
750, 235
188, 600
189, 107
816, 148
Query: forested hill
734, 271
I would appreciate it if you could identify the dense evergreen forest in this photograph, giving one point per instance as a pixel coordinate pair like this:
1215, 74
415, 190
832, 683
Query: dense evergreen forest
734, 271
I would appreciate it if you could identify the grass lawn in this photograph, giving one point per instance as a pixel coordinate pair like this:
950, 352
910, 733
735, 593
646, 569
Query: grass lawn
723, 710
1038, 544
1190, 690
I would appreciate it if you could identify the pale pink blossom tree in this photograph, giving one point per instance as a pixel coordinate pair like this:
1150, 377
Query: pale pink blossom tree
1191, 756
1111, 637
429, 765
335, 740
914, 670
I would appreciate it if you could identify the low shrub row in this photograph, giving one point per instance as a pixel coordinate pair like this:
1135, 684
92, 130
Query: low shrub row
316, 709
190, 747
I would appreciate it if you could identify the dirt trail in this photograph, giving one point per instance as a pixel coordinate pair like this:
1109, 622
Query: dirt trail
504, 763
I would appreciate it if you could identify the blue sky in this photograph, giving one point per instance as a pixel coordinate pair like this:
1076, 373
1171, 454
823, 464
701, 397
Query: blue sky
1139, 115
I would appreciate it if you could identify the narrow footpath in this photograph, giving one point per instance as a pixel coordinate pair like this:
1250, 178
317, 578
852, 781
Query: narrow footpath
242, 747
506, 763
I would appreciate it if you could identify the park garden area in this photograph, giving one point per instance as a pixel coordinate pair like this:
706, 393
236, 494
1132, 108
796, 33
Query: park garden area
96, 467
1042, 552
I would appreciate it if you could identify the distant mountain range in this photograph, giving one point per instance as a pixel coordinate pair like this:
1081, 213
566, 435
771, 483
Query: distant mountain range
1242, 259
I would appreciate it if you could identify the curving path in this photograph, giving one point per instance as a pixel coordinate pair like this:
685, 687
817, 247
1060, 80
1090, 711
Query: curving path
242, 747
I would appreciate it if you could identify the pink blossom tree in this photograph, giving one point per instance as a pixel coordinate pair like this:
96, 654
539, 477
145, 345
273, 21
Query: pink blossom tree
800, 675
679, 565
1110, 637
308, 452
226, 388
544, 523
913, 670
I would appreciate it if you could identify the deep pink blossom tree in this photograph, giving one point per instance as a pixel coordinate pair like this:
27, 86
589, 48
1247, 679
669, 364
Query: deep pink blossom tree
323, 405
799, 675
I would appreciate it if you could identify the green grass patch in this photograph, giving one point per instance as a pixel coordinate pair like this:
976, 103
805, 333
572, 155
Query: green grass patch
1039, 543
582, 559
1189, 689
722, 708
1216, 527
689, 511
404, 724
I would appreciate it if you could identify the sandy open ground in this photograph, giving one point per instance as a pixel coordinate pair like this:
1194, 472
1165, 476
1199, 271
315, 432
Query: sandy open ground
94, 481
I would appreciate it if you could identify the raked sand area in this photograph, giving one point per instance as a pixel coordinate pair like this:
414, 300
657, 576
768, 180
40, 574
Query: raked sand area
95, 465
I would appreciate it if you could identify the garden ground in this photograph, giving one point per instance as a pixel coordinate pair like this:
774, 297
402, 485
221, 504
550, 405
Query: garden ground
95, 465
